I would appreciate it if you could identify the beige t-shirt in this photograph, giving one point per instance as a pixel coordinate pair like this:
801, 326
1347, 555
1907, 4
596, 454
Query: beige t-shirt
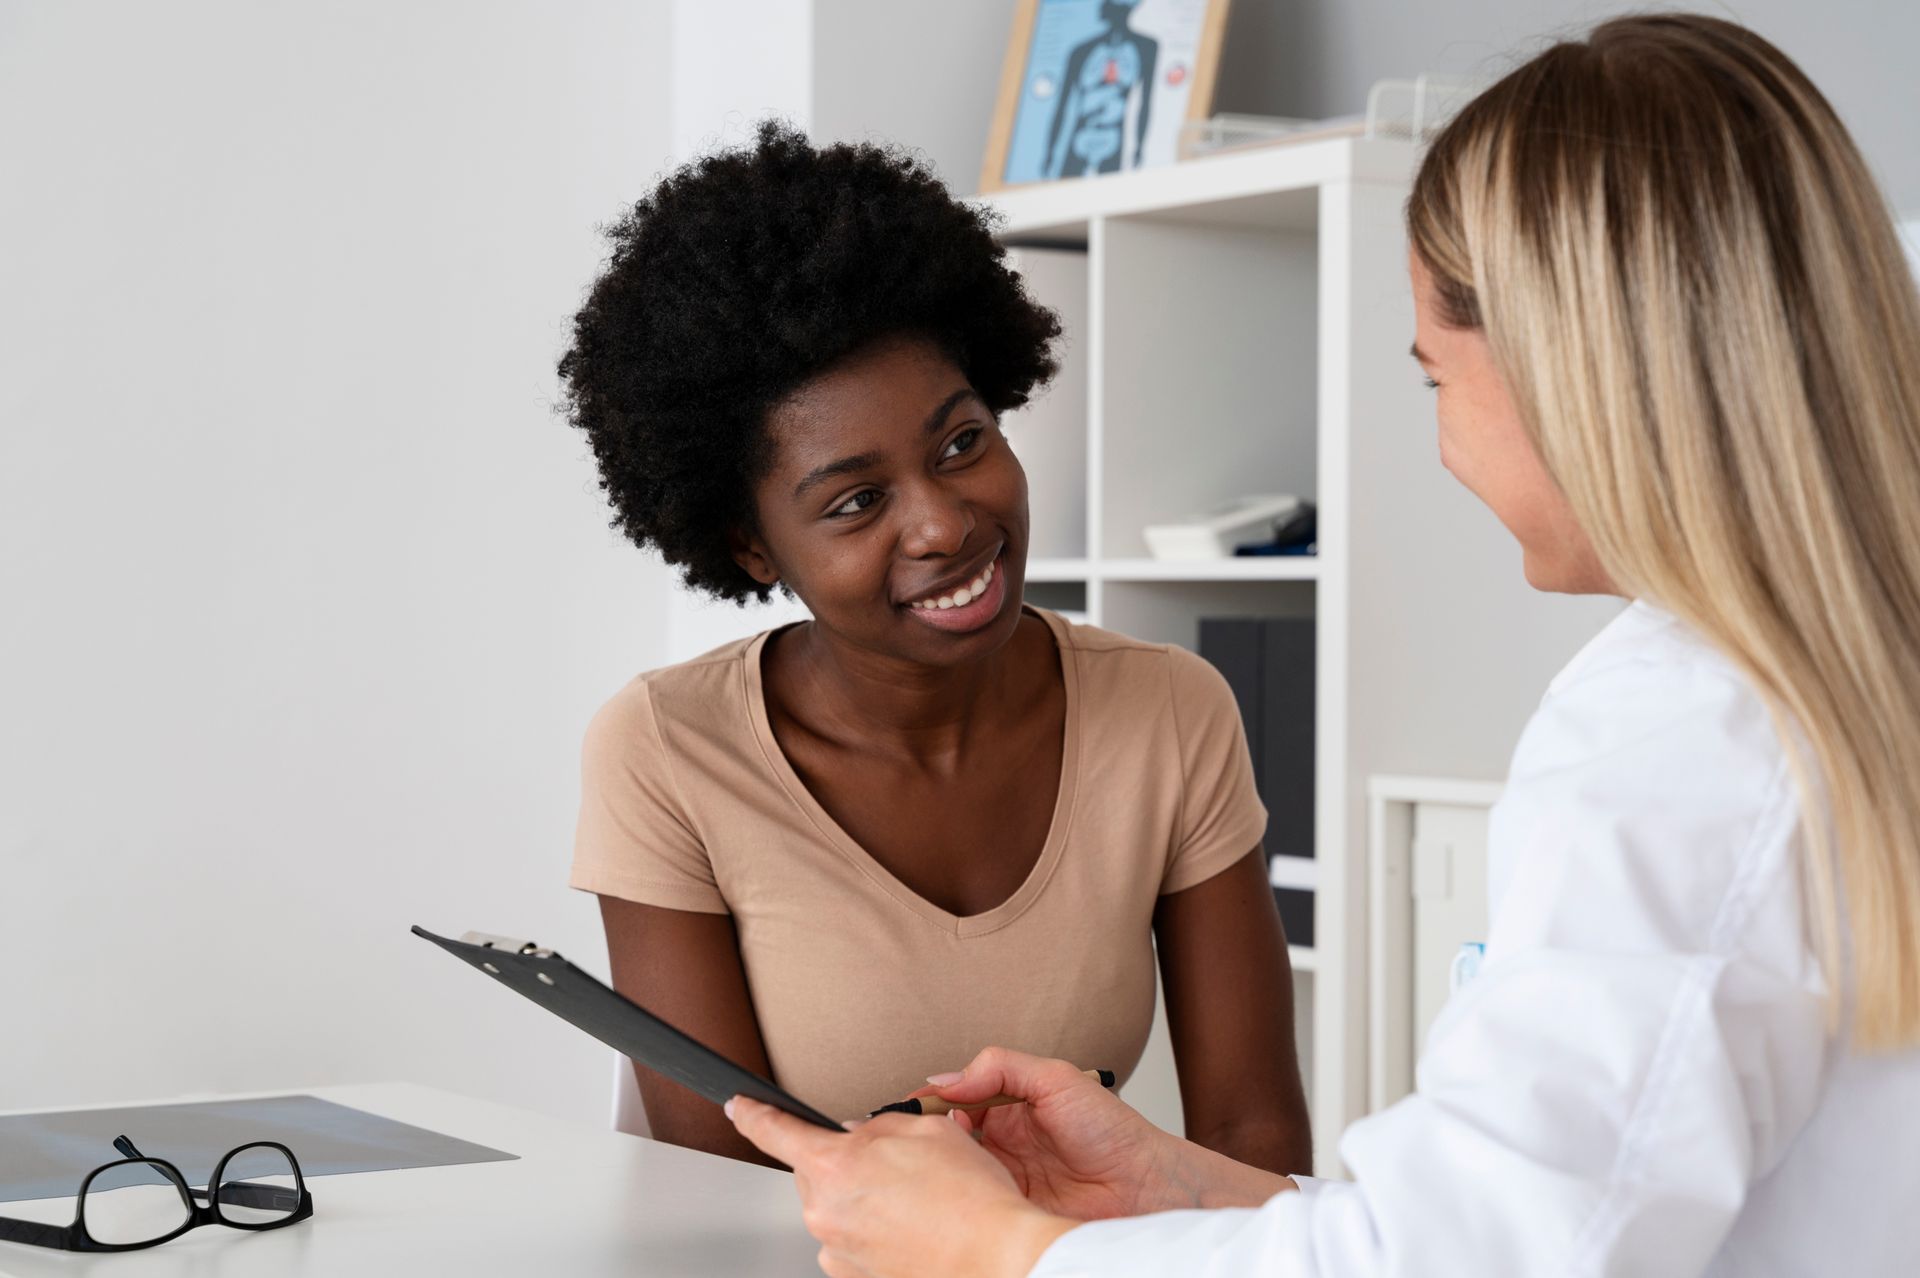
863, 988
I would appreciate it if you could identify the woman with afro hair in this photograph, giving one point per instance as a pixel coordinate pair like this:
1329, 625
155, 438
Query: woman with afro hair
850, 853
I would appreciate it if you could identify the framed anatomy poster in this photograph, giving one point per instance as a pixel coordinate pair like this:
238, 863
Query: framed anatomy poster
1101, 86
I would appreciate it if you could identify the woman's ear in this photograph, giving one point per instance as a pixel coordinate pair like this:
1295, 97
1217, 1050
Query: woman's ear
751, 554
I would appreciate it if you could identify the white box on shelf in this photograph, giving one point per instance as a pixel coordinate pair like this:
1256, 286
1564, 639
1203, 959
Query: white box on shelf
1216, 533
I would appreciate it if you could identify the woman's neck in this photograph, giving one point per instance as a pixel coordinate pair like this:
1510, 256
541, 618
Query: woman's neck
874, 702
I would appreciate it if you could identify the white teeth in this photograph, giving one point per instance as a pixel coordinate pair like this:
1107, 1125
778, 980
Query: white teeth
961, 597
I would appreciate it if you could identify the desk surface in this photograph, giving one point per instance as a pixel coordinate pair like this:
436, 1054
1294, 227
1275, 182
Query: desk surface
579, 1201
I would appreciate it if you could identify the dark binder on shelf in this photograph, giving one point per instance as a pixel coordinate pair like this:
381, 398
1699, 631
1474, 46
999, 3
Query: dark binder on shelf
1286, 735
1268, 662
1296, 914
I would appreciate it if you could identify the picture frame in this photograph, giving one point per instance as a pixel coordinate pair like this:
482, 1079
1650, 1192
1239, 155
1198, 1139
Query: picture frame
1100, 86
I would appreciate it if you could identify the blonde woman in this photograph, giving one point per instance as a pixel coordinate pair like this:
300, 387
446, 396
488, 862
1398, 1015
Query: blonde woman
1677, 351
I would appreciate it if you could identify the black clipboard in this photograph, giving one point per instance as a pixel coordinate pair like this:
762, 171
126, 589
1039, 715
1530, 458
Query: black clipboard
576, 997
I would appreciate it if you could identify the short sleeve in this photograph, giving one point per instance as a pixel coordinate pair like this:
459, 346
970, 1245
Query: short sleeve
1221, 816
634, 839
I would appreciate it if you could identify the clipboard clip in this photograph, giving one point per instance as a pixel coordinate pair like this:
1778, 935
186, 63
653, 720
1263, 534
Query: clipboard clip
488, 941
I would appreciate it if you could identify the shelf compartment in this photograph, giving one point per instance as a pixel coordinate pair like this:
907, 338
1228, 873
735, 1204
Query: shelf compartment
1254, 568
1058, 570
1058, 596
1049, 433
1169, 611
1206, 372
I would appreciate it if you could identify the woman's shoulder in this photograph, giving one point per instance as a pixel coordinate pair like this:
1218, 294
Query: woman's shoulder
1112, 649
705, 694
1643, 638
1131, 677
1649, 786
1649, 689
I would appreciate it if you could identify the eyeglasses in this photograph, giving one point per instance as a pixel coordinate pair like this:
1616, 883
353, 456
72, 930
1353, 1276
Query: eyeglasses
142, 1202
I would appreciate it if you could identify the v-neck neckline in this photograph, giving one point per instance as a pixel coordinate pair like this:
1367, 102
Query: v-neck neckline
960, 925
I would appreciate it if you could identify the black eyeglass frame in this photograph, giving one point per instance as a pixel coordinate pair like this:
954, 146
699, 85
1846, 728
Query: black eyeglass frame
203, 1205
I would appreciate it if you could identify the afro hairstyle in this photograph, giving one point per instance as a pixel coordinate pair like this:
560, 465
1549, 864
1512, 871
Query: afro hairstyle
741, 277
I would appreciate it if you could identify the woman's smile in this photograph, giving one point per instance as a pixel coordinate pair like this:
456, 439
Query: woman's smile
968, 607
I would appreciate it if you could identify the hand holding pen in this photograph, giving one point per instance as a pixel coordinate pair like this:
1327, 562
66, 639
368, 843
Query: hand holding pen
1078, 1150
1073, 1149
924, 1102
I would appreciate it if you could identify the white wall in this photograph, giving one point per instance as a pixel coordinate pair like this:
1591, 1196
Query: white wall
1318, 57
924, 74
305, 592
735, 64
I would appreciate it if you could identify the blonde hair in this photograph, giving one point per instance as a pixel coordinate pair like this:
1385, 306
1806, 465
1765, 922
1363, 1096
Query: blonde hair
1696, 295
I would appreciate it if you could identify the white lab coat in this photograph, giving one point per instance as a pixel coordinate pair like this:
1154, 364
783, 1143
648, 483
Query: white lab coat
1638, 1082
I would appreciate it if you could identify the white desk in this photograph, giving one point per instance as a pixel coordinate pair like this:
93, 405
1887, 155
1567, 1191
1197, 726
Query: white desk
579, 1202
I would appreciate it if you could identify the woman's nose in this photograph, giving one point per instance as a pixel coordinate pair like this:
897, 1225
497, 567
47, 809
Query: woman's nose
937, 523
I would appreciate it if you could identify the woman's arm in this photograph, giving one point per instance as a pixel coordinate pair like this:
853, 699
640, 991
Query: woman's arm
684, 967
902, 1196
1229, 992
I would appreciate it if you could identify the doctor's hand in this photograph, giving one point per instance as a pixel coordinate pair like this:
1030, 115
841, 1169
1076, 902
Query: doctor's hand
900, 1196
1077, 1150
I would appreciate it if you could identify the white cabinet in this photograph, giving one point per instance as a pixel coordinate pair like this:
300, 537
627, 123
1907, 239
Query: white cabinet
1427, 876
1449, 882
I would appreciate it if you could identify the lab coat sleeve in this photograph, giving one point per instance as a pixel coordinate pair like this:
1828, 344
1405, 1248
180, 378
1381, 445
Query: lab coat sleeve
1644, 1039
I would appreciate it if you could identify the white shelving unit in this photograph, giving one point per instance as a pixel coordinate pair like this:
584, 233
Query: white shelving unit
1243, 328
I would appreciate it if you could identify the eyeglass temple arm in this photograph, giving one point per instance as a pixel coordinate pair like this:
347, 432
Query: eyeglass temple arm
36, 1234
240, 1193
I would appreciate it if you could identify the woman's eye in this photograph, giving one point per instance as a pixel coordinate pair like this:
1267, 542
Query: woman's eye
856, 503
1429, 383
962, 443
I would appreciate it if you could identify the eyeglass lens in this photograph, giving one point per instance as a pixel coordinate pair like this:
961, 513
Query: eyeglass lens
258, 1187
134, 1203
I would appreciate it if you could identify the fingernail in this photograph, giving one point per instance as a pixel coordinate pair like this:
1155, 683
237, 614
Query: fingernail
946, 1080
727, 1109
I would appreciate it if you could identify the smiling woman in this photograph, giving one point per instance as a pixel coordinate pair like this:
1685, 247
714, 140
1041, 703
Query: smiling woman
851, 853
873, 460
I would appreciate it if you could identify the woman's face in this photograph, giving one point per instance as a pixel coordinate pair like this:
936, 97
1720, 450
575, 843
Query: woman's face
891, 489
1484, 444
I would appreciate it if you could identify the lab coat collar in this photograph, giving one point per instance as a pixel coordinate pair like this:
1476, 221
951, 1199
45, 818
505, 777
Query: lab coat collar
1638, 620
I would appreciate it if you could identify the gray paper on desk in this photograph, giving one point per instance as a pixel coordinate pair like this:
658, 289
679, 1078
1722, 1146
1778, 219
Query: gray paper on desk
48, 1155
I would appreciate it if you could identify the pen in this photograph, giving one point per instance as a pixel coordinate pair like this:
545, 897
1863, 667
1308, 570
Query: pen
934, 1105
